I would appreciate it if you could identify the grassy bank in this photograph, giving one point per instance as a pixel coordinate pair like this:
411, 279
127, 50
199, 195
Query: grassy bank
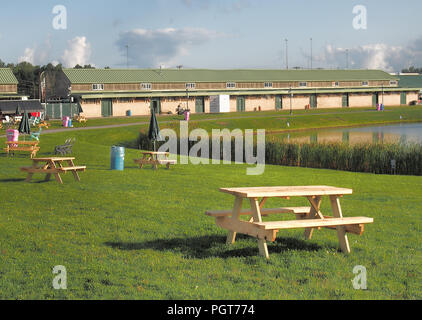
272, 121
142, 234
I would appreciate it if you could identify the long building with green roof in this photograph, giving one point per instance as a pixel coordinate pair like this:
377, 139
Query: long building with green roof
120, 92
8, 84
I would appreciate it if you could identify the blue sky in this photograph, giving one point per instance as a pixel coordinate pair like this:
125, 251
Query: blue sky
213, 33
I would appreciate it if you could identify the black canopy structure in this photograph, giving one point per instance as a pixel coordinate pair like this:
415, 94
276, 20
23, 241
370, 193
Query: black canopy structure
11, 106
154, 129
24, 125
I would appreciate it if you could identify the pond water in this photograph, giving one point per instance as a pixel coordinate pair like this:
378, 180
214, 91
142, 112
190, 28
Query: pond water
397, 133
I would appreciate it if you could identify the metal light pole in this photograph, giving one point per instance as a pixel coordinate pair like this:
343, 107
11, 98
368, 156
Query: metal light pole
287, 54
291, 96
311, 53
347, 58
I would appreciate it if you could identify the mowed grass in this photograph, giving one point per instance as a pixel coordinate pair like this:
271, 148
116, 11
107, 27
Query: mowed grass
143, 234
272, 121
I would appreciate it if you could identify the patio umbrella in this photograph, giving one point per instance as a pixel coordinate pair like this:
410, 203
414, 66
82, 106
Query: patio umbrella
154, 129
80, 110
18, 110
24, 125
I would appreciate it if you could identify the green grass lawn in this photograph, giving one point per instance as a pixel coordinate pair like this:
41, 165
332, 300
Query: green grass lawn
143, 234
273, 121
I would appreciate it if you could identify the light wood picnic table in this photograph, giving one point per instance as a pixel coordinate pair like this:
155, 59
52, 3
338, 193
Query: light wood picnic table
30, 146
309, 217
53, 165
155, 158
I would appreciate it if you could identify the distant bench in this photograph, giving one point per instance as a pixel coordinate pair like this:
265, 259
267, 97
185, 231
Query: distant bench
150, 157
28, 146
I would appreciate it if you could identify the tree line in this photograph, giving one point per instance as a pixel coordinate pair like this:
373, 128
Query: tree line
28, 76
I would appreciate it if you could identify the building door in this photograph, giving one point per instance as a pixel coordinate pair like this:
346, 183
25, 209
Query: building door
313, 101
240, 105
156, 105
374, 99
199, 105
106, 107
403, 98
345, 100
278, 103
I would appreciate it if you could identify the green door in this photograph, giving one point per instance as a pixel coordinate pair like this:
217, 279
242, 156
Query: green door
199, 105
240, 105
156, 105
403, 98
345, 100
106, 107
278, 103
374, 99
66, 110
313, 101
57, 114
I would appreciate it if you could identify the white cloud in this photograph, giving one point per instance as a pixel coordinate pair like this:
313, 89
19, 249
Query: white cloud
78, 52
152, 48
373, 56
28, 56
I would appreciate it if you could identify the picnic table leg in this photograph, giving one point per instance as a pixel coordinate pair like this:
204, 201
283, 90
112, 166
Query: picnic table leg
314, 213
57, 175
231, 236
75, 174
256, 211
341, 230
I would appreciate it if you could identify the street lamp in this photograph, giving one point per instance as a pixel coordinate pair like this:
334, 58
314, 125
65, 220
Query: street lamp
291, 96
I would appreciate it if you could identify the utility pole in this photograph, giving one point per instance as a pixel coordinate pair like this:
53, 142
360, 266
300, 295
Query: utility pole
311, 53
287, 54
347, 58
127, 56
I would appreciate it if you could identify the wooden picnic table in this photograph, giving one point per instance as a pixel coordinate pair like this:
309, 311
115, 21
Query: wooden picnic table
155, 158
30, 146
53, 165
309, 217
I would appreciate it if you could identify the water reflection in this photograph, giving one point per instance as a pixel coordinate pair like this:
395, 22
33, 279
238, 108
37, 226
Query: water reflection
402, 133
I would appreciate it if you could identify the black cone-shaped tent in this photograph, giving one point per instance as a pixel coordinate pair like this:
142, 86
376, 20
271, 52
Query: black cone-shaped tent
154, 129
24, 125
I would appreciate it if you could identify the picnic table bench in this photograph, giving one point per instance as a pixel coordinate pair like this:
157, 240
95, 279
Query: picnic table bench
154, 158
53, 165
29, 146
309, 217
79, 118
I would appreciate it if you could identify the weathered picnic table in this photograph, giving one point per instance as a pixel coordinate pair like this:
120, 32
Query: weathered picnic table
154, 158
30, 146
306, 217
53, 165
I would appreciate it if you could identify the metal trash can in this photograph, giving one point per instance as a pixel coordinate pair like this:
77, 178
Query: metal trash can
12, 135
117, 158
129, 113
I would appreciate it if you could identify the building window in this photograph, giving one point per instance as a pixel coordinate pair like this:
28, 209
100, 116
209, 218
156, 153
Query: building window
303, 84
98, 87
268, 85
365, 83
230, 85
190, 85
336, 84
146, 86
393, 83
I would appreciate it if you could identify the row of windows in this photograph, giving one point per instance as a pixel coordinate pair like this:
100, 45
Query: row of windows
231, 85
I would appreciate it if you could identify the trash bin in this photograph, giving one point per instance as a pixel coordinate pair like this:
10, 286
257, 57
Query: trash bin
187, 115
129, 113
69, 123
12, 135
117, 158
381, 107
65, 121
